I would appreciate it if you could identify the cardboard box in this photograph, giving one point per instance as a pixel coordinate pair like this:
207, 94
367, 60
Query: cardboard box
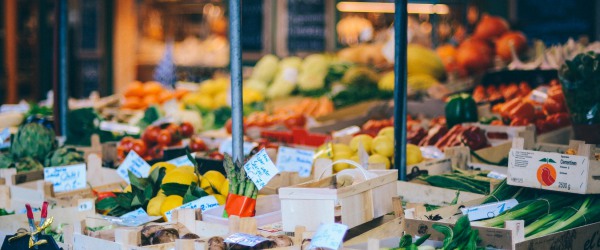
555, 171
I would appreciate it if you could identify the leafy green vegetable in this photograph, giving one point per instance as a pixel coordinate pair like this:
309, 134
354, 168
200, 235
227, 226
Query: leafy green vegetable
151, 114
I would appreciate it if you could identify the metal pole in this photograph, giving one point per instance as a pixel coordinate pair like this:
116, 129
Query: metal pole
237, 128
400, 22
61, 73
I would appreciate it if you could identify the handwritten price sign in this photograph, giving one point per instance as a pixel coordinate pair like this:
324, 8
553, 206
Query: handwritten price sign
182, 161
66, 178
134, 163
204, 203
295, 160
260, 169
329, 236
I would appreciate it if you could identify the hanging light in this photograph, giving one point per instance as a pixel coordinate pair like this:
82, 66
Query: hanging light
412, 8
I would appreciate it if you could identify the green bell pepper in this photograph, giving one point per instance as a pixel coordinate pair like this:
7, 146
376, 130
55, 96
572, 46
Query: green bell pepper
459, 109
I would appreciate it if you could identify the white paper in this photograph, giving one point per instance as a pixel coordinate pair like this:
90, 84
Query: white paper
245, 239
119, 128
329, 236
134, 218
226, 147
4, 145
182, 161
4, 135
134, 163
352, 130
490, 210
496, 175
204, 203
66, 178
295, 160
260, 169
85, 205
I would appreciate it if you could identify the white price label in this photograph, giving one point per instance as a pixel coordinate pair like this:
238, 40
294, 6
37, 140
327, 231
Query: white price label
204, 203
329, 236
260, 169
136, 218
496, 175
295, 160
85, 205
182, 161
490, 210
134, 163
4, 135
245, 239
66, 178
226, 147
4, 145
119, 128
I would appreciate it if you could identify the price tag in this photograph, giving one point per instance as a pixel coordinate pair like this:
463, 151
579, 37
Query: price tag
496, 175
119, 128
349, 131
227, 147
490, 210
290, 75
248, 240
66, 178
18, 108
4, 145
85, 205
5, 134
134, 163
204, 203
136, 218
329, 236
295, 160
182, 160
260, 169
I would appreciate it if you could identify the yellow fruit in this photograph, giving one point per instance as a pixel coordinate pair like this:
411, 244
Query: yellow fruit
127, 189
167, 166
376, 158
341, 166
383, 145
215, 178
339, 148
387, 131
386, 82
365, 140
413, 154
179, 177
187, 169
355, 158
220, 198
205, 185
154, 205
224, 189
171, 202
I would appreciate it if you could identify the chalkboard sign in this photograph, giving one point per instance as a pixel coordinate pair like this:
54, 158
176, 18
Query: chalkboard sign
554, 21
252, 25
306, 25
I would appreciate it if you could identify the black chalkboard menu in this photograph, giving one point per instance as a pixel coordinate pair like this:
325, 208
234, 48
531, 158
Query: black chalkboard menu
306, 25
252, 25
554, 21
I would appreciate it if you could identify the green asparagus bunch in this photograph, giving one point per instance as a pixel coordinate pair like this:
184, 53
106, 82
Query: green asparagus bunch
239, 183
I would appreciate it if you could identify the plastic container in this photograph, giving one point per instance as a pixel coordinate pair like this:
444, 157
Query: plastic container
268, 211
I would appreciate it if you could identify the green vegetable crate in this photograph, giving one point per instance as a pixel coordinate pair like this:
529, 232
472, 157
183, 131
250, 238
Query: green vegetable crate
576, 172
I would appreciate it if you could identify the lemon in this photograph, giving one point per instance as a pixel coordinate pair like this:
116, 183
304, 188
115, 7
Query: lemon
171, 202
220, 198
205, 185
413, 154
215, 178
383, 145
377, 158
355, 158
187, 169
365, 140
387, 131
154, 205
127, 189
339, 148
224, 189
341, 166
180, 178
167, 166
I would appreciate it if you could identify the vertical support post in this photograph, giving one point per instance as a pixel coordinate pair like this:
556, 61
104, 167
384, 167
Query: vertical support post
237, 134
61, 73
10, 49
400, 22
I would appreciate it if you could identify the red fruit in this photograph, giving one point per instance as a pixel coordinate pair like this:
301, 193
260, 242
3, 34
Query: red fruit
186, 129
156, 152
164, 137
216, 156
474, 55
490, 27
126, 143
151, 134
295, 121
228, 125
519, 43
197, 145
139, 147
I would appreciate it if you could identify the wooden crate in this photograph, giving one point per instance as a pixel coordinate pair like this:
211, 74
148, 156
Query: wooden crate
420, 193
357, 203
558, 172
94, 148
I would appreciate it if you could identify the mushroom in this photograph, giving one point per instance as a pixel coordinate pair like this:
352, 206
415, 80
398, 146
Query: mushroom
148, 231
216, 243
164, 236
281, 240
190, 236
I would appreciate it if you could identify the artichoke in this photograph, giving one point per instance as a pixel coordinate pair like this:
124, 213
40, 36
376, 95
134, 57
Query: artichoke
6, 160
33, 140
27, 164
64, 156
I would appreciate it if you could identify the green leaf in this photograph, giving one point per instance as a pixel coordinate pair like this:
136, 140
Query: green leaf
405, 241
106, 203
193, 193
124, 200
174, 189
420, 241
136, 181
447, 232
551, 161
473, 240
148, 193
544, 160
136, 202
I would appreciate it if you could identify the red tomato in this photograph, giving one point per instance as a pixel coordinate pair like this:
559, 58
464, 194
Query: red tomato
164, 137
139, 147
295, 121
197, 145
228, 125
187, 129
127, 143
151, 134
216, 155
156, 152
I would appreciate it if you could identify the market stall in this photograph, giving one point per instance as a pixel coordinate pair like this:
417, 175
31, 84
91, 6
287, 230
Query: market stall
426, 126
